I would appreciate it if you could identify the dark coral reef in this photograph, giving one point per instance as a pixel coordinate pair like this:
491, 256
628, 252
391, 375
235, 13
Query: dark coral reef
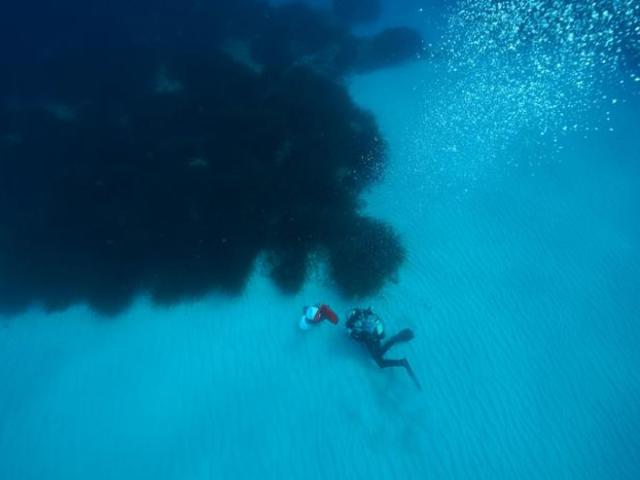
356, 11
266, 35
170, 170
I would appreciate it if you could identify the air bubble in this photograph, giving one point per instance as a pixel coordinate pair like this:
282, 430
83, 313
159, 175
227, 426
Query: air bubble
526, 69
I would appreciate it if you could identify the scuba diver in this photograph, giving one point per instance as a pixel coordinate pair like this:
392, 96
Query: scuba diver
367, 327
314, 314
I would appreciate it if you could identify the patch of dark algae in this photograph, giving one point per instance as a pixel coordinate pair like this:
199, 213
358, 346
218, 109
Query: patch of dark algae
169, 173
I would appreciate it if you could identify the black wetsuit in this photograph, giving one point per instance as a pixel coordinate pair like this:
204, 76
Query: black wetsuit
366, 327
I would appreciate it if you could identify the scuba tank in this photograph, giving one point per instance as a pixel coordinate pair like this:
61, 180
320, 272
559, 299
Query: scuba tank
364, 324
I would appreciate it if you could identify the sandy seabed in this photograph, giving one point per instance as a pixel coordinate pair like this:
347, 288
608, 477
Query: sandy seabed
522, 291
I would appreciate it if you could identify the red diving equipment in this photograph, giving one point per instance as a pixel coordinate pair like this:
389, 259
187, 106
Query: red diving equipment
327, 314
315, 314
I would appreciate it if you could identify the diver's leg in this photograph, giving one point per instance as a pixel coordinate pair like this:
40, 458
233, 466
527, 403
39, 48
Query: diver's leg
403, 362
402, 336
412, 374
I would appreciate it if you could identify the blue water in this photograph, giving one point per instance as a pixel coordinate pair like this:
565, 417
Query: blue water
522, 284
